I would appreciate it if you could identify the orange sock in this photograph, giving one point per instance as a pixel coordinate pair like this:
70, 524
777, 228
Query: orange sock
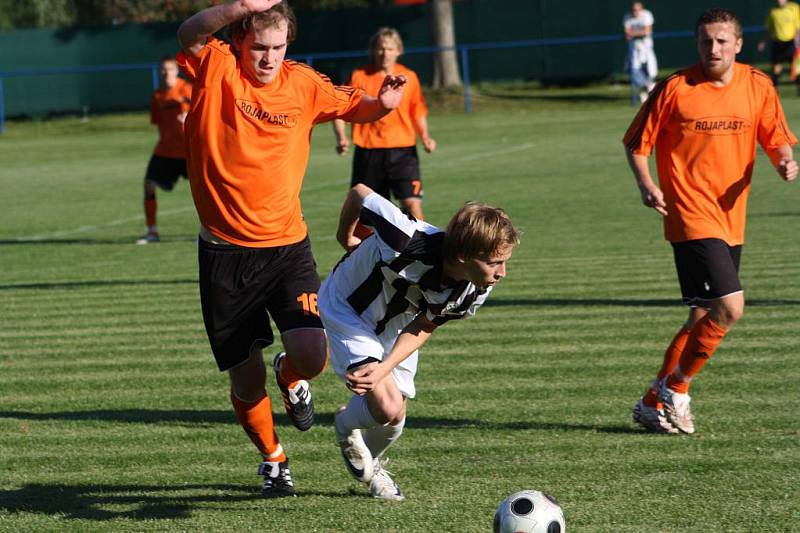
150, 207
703, 341
671, 357
256, 420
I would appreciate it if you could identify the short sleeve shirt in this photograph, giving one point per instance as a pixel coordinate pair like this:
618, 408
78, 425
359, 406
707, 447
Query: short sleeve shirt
397, 129
705, 140
166, 106
396, 273
248, 144
783, 22
640, 22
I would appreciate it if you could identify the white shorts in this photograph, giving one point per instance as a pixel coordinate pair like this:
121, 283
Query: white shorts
351, 342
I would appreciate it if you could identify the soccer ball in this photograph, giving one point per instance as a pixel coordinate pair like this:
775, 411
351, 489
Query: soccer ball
529, 511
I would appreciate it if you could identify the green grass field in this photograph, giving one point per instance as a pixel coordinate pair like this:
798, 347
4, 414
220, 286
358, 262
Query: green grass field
113, 416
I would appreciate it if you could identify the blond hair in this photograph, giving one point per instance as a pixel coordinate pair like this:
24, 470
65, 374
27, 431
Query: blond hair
384, 33
271, 18
478, 230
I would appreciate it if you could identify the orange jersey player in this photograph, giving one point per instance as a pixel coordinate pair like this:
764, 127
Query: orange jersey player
248, 140
704, 122
168, 108
386, 157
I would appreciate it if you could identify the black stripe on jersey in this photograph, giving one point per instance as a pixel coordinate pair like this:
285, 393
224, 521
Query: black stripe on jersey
425, 247
345, 89
370, 289
647, 107
308, 67
397, 304
388, 232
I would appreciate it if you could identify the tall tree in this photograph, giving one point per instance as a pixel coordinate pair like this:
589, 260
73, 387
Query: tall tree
445, 63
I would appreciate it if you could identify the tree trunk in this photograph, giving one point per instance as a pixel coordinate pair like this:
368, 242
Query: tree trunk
445, 63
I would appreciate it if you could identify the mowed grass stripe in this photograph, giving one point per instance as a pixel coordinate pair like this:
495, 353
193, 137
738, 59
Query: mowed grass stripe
129, 426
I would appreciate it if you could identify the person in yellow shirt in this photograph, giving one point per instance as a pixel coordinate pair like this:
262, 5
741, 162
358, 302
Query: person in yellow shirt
782, 24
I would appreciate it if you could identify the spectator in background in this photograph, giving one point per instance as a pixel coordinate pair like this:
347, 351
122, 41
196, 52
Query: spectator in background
640, 63
782, 24
704, 122
168, 108
386, 157
248, 139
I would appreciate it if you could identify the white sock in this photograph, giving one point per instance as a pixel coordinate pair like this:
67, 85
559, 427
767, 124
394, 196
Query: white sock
379, 438
355, 416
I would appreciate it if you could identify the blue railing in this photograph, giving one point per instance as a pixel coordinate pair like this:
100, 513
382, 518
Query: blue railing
463, 51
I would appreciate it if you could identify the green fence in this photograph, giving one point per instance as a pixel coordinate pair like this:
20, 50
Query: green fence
577, 42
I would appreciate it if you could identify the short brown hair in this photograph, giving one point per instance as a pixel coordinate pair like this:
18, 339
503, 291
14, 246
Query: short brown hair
478, 230
712, 16
384, 33
270, 18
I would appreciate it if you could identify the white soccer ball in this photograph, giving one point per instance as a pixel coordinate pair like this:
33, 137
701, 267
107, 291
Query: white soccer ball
529, 511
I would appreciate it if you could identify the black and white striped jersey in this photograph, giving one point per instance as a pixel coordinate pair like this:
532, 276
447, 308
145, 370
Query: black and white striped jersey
396, 273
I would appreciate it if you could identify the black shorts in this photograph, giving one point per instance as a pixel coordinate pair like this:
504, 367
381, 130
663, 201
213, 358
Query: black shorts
386, 170
781, 52
708, 269
241, 288
165, 171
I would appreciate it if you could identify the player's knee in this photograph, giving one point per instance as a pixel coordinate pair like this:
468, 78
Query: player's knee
387, 406
309, 361
306, 351
729, 311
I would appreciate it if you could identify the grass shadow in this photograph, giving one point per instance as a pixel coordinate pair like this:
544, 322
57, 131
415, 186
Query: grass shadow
324, 419
95, 283
614, 302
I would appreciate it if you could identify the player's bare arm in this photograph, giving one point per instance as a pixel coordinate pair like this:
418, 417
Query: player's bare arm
651, 194
195, 30
365, 378
340, 131
428, 143
783, 160
348, 218
374, 108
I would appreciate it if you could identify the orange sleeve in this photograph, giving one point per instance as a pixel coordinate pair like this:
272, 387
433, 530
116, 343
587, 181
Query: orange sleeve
773, 131
193, 66
331, 101
643, 131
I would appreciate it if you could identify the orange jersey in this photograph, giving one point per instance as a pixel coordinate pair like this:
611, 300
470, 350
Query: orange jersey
165, 107
398, 128
248, 145
705, 140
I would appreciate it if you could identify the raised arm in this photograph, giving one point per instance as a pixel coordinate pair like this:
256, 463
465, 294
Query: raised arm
195, 30
348, 218
649, 191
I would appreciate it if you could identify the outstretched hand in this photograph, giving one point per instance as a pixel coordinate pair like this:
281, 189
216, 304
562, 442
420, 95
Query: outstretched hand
788, 169
391, 92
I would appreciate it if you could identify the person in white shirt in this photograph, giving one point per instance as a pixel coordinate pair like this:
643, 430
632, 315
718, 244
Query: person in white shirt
641, 61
